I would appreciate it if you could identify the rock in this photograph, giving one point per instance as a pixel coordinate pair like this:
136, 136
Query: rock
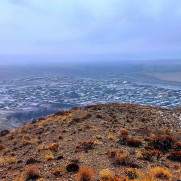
4, 132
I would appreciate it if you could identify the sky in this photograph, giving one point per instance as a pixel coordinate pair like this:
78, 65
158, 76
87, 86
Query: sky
127, 29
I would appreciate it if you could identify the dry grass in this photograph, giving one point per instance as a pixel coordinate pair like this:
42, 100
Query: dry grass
7, 160
31, 173
132, 173
121, 159
49, 156
106, 173
162, 173
111, 136
85, 174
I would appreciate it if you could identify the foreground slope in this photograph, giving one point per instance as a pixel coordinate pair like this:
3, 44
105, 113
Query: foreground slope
120, 140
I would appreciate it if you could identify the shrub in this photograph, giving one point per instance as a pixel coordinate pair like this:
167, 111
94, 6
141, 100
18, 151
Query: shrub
161, 173
10, 160
49, 156
112, 153
72, 167
163, 143
31, 173
53, 147
60, 136
57, 172
87, 145
178, 146
85, 174
146, 155
6, 150
111, 136
132, 173
124, 132
121, 159
133, 142
175, 156
1, 147
106, 173
99, 116
114, 179
31, 160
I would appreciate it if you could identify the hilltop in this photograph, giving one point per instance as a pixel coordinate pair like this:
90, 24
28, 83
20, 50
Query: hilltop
119, 141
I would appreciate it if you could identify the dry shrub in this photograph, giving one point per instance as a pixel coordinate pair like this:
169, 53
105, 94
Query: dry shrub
40, 147
124, 132
106, 173
175, 156
99, 136
10, 160
72, 167
133, 142
60, 136
162, 173
2, 161
53, 147
85, 174
7, 160
57, 172
1, 147
31, 173
112, 153
147, 177
149, 154
114, 179
163, 143
99, 116
41, 179
87, 145
6, 150
31, 160
111, 136
25, 142
49, 156
121, 159
132, 173
178, 146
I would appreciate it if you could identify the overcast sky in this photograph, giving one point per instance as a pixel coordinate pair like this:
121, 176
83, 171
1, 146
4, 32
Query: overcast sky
131, 28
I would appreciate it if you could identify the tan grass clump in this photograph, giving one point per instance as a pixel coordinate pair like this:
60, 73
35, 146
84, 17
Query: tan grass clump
106, 173
49, 156
162, 173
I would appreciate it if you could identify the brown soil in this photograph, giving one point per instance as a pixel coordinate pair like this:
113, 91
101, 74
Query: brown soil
85, 138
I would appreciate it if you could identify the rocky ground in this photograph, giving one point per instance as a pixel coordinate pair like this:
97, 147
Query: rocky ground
113, 141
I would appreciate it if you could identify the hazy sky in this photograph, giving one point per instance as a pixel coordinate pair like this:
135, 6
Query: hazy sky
131, 28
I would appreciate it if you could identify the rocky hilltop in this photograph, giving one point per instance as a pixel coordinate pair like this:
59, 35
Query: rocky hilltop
113, 142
